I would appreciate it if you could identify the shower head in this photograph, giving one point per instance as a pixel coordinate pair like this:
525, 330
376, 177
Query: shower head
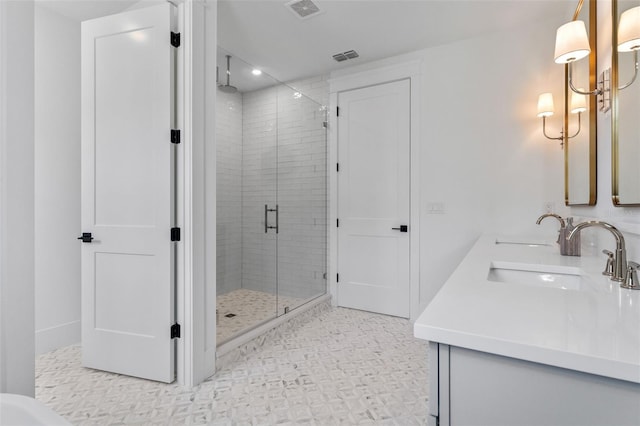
228, 88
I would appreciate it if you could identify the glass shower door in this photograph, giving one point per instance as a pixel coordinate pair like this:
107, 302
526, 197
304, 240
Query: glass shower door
246, 136
259, 209
302, 199
271, 201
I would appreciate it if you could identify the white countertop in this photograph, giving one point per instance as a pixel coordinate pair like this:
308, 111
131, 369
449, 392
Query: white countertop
594, 329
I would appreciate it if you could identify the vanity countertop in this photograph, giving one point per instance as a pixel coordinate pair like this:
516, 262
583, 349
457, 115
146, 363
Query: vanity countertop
594, 328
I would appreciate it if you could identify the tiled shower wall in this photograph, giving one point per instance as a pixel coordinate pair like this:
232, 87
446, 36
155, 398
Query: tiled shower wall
229, 195
283, 148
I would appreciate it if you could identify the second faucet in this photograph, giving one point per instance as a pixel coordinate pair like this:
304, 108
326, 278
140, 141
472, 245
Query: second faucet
567, 248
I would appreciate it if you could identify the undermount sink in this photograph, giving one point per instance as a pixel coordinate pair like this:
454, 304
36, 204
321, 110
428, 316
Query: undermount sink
551, 276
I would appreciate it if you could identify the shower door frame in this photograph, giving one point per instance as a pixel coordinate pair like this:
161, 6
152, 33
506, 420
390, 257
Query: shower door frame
348, 81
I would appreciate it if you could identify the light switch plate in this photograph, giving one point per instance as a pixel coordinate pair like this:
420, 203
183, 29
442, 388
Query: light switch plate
435, 207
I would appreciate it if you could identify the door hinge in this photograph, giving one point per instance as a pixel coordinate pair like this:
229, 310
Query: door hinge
175, 331
337, 278
175, 136
175, 234
337, 223
175, 39
337, 111
337, 167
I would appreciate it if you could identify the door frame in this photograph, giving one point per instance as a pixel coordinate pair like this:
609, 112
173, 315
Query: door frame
195, 101
196, 192
358, 79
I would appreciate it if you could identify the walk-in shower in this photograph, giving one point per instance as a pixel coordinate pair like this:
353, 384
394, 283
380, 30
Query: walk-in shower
271, 200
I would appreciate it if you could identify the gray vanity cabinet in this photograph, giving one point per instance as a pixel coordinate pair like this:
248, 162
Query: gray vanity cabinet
468, 387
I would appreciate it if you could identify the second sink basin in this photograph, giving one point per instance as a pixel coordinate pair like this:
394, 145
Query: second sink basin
552, 276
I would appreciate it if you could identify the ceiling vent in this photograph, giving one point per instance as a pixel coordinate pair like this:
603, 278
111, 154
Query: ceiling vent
349, 54
303, 9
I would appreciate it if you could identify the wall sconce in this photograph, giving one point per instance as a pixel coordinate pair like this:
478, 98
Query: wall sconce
546, 109
629, 38
572, 44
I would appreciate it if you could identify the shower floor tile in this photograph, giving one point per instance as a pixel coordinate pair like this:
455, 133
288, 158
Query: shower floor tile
341, 367
248, 309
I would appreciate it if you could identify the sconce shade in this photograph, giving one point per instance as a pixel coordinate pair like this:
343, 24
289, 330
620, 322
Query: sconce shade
578, 102
629, 30
572, 42
545, 105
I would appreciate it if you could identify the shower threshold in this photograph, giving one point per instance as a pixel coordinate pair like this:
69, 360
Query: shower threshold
242, 309
258, 330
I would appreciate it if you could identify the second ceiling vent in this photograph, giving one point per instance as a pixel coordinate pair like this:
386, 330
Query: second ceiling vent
303, 9
349, 54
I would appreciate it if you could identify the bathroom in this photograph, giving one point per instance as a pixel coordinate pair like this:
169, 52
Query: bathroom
478, 93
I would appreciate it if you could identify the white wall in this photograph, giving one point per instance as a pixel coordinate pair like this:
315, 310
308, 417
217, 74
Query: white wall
17, 364
482, 153
57, 180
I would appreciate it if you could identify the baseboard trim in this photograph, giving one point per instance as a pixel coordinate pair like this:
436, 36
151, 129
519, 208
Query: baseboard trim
49, 339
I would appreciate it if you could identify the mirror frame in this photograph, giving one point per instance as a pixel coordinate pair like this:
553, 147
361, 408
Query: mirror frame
593, 110
615, 81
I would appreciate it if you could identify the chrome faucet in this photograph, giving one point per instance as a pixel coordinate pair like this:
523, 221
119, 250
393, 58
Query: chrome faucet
620, 256
567, 248
560, 219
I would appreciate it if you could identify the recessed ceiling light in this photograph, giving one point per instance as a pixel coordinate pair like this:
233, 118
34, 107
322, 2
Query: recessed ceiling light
256, 71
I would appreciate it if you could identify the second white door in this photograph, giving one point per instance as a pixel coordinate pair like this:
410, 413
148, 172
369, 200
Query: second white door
373, 198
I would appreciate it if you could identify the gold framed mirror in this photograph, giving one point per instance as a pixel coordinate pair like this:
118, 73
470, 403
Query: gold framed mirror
580, 119
625, 105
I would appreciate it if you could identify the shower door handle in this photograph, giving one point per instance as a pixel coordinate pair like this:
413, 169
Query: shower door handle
266, 218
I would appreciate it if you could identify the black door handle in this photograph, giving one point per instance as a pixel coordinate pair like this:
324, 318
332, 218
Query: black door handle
86, 237
403, 228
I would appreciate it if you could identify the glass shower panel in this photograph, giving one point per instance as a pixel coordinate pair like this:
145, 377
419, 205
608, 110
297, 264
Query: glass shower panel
246, 135
302, 199
259, 210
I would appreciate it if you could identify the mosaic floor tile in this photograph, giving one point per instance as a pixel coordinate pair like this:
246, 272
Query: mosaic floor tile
343, 367
243, 309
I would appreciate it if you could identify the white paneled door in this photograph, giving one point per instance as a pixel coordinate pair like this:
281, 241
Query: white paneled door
128, 194
373, 198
